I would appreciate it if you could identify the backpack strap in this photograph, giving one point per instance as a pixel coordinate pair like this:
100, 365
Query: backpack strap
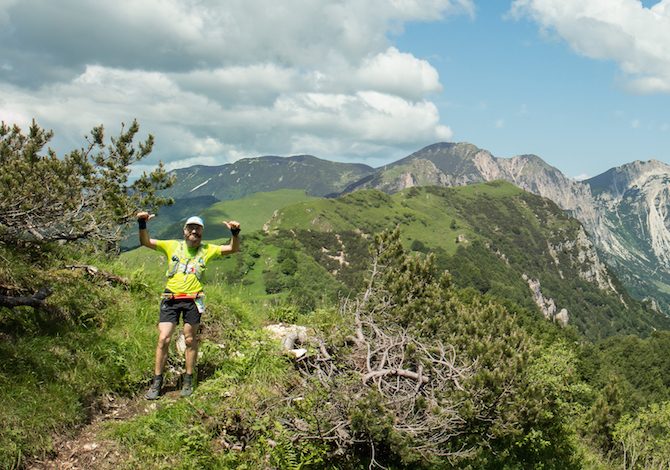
180, 261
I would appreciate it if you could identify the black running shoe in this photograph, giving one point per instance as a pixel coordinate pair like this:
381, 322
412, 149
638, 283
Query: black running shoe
155, 390
187, 386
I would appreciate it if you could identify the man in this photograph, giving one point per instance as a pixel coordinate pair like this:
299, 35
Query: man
183, 294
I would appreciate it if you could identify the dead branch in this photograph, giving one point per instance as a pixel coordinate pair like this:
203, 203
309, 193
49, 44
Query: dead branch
94, 272
420, 383
419, 389
396, 372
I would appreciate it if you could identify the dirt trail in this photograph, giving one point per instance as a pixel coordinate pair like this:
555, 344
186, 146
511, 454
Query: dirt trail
89, 449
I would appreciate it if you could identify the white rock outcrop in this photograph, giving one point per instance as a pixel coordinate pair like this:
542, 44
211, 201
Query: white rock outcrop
547, 305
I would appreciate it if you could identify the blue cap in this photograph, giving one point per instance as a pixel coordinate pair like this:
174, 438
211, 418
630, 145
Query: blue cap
195, 220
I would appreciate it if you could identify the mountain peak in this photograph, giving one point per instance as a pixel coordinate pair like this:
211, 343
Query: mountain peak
618, 180
460, 149
451, 158
532, 158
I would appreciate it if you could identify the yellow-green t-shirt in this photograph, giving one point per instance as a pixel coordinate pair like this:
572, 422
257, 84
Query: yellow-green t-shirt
184, 280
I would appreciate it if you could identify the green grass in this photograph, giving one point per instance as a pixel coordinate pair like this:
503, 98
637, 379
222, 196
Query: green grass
57, 365
420, 215
498, 189
53, 371
255, 210
438, 225
251, 211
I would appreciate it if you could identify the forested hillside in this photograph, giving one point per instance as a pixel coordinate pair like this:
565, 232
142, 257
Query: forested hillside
492, 237
624, 210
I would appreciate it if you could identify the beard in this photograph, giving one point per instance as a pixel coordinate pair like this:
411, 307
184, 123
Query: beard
193, 240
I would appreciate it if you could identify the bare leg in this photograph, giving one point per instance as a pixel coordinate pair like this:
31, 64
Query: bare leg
165, 330
191, 337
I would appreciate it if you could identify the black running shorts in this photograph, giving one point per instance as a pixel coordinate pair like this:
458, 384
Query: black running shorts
172, 309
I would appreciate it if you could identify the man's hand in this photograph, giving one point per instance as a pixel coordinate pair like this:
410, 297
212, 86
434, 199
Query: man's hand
144, 215
145, 240
233, 226
142, 218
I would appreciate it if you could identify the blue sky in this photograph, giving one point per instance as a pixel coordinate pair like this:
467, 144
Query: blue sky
583, 84
511, 89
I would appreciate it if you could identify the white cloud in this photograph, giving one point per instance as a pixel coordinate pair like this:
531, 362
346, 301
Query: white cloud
257, 83
635, 37
188, 34
218, 81
399, 73
190, 125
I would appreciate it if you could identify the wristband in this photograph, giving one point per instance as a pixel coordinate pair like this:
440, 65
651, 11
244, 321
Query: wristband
235, 231
142, 223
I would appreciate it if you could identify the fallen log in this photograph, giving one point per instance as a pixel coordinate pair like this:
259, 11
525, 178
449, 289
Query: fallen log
36, 300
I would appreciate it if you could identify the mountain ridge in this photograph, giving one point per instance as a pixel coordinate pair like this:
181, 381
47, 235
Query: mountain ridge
625, 210
316, 176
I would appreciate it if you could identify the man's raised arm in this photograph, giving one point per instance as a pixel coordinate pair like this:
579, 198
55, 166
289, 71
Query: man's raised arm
234, 245
145, 240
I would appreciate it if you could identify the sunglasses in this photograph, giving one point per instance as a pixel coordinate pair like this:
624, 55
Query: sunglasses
191, 228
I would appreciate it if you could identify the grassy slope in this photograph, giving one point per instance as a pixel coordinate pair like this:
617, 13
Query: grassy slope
101, 340
465, 227
371, 211
58, 364
253, 211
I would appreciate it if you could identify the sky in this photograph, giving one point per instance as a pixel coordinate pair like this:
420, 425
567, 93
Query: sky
584, 84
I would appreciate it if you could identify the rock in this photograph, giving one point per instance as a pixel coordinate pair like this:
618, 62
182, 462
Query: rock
181, 343
562, 317
298, 353
547, 305
289, 335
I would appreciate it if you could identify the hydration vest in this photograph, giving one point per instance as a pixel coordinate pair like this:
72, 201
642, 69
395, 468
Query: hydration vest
182, 263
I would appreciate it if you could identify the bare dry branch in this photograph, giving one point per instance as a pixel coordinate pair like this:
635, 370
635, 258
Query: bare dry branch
382, 373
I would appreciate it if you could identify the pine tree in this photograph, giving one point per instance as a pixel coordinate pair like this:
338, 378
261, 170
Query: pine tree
434, 377
83, 195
